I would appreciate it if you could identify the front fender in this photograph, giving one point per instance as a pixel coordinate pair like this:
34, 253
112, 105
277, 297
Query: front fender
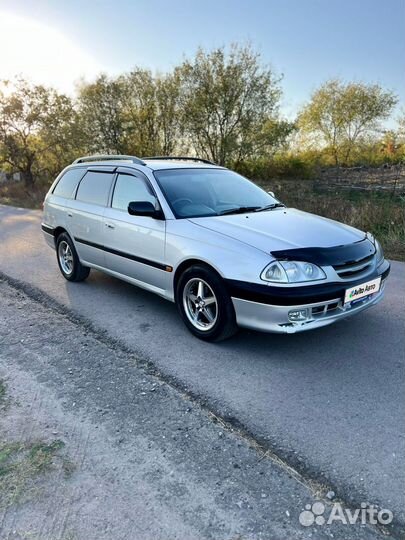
229, 257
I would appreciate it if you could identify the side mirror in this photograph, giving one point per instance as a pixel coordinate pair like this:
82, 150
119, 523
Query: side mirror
144, 208
272, 194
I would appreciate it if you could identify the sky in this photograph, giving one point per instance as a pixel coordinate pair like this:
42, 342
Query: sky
307, 41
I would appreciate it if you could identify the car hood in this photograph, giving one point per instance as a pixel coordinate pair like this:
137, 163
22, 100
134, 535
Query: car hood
282, 228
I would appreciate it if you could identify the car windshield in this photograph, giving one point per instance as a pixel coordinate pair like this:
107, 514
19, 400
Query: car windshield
211, 192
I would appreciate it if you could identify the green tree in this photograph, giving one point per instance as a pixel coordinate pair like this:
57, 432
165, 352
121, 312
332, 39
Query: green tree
151, 112
401, 127
340, 114
34, 121
101, 106
168, 94
136, 113
230, 104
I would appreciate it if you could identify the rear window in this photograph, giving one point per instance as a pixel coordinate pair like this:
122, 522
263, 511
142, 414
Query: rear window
67, 184
94, 188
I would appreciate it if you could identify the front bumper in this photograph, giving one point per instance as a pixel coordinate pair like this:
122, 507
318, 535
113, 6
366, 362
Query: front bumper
326, 307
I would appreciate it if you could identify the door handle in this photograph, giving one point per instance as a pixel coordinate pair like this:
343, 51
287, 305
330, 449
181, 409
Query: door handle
110, 226
70, 214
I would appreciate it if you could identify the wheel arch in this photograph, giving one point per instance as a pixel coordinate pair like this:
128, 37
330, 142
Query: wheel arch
184, 265
58, 231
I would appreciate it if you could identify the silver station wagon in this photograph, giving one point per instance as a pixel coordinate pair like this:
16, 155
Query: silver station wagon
226, 252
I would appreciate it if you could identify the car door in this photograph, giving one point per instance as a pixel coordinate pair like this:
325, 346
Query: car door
86, 214
134, 245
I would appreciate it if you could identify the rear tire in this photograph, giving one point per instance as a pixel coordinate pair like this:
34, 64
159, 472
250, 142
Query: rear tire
205, 305
68, 260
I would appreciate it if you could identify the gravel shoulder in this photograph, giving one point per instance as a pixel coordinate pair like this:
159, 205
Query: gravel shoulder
136, 458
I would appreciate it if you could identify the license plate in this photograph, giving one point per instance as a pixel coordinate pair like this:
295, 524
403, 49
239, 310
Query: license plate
362, 290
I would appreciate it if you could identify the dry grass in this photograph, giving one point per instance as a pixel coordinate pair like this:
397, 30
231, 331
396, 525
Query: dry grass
17, 194
24, 463
377, 212
21, 464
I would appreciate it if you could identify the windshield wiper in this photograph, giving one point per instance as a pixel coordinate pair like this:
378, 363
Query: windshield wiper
239, 210
270, 207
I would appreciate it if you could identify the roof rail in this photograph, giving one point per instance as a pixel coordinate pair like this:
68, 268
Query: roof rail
182, 158
109, 157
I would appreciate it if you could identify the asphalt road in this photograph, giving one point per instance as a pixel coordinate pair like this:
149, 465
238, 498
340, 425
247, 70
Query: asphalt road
330, 401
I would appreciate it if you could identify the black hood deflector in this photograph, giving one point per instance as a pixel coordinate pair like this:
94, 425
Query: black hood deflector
331, 256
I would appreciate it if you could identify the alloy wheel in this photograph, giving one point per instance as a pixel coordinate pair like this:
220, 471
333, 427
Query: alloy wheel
65, 257
200, 304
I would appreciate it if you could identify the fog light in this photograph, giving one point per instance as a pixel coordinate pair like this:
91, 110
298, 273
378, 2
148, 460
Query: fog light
298, 315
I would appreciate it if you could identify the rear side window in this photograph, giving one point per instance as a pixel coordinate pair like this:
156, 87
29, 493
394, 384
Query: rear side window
94, 188
67, 184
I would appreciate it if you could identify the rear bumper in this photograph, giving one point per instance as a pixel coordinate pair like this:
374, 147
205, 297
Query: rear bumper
49, 235
323, 306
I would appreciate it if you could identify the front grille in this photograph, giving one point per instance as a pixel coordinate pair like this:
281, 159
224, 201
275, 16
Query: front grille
324, 309
354, 269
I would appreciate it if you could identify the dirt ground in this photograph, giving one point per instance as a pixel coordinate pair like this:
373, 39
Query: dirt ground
95, 445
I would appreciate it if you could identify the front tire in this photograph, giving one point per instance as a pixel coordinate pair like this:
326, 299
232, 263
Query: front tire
205, 305
68, 260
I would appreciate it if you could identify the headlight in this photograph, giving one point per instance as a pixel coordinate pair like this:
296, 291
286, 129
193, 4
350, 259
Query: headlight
292, 272
379, 252
378, 249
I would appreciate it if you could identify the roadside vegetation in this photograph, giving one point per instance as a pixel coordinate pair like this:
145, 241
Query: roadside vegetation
223, 105
24, 463
21, 464
377, 212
